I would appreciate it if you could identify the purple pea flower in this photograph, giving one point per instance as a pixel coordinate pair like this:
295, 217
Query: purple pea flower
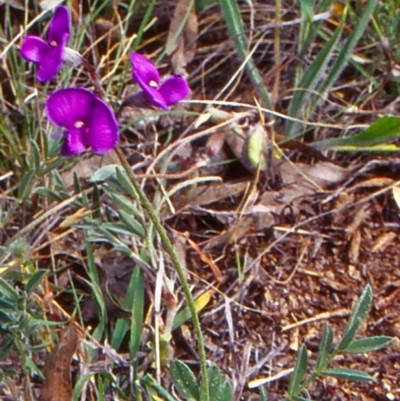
171, 91
49, 54
88, 121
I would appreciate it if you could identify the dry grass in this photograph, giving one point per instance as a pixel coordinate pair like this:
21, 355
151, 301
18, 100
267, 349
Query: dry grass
280, 252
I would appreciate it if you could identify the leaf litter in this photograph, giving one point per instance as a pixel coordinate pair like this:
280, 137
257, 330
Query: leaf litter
294, 246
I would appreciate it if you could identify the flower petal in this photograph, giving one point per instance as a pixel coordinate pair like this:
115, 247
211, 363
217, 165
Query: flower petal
59, 30
174, 89
33, 48
50, 64
73, 143
155, 97
68, 106
103, 132
144, 71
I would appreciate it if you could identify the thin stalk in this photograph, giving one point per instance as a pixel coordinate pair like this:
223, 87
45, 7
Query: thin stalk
181, 274
314, 375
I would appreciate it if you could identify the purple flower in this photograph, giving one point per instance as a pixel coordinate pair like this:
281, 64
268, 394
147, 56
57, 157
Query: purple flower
170, 92
88, 121
49, 54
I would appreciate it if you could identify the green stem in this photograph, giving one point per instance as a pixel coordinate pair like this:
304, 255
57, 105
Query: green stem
314, 375
181, 274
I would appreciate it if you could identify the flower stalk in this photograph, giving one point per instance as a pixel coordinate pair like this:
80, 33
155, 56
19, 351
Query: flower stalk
181, 274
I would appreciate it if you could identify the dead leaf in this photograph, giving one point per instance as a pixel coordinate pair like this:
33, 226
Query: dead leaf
182, 35
57, 370
320, 174
396, 195
206, 194
49, 4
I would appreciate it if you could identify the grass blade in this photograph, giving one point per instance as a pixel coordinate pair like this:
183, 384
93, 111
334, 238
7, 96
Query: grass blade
310, 80
231, 13
385, 129
347, 49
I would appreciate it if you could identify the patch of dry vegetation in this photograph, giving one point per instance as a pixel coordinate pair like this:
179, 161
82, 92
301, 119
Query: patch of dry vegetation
274, 253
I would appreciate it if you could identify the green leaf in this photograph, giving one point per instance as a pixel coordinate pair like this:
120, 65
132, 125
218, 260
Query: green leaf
357, 317
219, 387
309, 30
184, 315
8, 307
25, 185
135, 299
132, 224
7, 291
350, 374
349, 335
368, 344
310, 79
149, 381
34, 155
263, 394
83, 379
325, 347
124, 181
35, 280
6, 317
225, 392
347, 49
299, 370
385, 129
104, 173
48, 193
184, 380
215, 380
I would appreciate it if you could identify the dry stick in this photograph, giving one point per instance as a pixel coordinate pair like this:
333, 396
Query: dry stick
181, 274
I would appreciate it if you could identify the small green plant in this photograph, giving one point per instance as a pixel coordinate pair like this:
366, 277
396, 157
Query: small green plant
219, 388
327, 352
21, 322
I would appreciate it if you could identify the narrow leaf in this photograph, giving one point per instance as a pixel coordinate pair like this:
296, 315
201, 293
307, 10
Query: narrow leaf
349, 335
385, 129
7, 291
225, 392
215, 380
231, 12
350, 374
103, 173
135, 299
26, 184
368, 344
185, 314
347, 49
35, 280
299, 370
357, 317
325, 347
184, 380
310, 80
